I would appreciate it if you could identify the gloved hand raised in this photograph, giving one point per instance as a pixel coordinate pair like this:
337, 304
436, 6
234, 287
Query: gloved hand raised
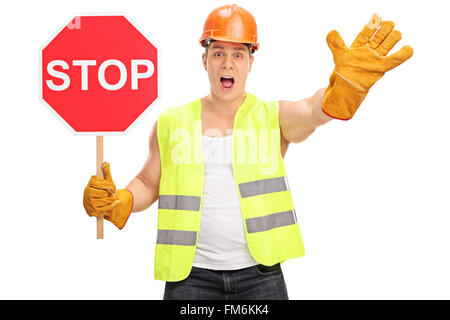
102, 198
359, 66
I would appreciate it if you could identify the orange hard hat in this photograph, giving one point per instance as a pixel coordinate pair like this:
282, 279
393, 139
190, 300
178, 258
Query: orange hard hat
230, 23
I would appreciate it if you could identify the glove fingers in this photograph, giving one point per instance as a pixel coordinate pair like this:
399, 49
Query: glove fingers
97, 193
108, 206
384, 30
105, 210
101, 202
388, 43
98, 213
90, 210
367, 32
399, 57
335, 43
102, 184
107, 172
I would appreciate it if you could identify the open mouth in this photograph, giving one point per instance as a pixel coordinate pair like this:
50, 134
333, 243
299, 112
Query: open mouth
227, 82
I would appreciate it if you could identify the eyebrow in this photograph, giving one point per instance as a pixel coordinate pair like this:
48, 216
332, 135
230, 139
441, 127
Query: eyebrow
236, 49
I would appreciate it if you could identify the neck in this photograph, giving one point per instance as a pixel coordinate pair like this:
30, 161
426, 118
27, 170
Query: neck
224, 107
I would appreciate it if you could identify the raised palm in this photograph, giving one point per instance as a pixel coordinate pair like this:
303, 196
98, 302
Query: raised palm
365, 61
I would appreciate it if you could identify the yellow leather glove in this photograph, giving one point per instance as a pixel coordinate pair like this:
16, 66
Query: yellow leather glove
102, 198
358, 68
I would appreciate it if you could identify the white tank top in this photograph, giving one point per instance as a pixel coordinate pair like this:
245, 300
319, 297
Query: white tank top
221, 241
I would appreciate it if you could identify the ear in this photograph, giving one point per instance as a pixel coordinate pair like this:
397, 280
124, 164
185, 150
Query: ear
250, 63
204, 61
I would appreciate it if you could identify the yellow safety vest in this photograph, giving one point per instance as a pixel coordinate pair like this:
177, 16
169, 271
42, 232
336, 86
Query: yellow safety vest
267, 208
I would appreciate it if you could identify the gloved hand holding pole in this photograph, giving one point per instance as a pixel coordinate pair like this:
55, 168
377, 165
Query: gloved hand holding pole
101, 199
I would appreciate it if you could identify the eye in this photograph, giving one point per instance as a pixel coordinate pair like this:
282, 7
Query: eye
218, 54
238, 55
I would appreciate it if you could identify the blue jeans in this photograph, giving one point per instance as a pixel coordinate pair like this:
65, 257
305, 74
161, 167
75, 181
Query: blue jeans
254, 283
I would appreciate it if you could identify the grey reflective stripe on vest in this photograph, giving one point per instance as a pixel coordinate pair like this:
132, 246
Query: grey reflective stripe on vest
177, 237
270, 221
179, 202
254, 188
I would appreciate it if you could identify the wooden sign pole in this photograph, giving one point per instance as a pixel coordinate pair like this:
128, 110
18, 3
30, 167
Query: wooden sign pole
100, 174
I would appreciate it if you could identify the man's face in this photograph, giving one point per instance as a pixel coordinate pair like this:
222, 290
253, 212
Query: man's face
228, 65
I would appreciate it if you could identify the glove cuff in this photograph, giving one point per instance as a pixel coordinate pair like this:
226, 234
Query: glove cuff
342, 98
122, 211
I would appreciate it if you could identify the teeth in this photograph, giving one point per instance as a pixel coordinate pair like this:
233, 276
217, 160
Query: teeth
227, 77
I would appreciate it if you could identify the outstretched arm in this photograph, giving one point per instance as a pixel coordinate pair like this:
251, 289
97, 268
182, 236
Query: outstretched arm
299, 119
357, 68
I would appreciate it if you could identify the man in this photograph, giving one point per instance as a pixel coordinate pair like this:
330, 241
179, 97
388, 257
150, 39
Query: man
225, 213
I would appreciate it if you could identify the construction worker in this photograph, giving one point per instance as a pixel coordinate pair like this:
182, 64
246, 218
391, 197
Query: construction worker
226, 218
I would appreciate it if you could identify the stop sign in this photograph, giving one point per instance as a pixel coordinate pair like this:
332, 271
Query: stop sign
99, 74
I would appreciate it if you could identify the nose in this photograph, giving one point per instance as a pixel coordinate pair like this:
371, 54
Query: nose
228, 62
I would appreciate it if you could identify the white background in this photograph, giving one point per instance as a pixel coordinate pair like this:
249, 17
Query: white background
371, 194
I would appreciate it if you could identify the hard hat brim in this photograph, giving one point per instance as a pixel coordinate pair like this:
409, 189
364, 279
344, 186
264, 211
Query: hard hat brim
255, 46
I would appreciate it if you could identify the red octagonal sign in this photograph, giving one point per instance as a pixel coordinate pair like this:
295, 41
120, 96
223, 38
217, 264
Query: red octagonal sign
99, 74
